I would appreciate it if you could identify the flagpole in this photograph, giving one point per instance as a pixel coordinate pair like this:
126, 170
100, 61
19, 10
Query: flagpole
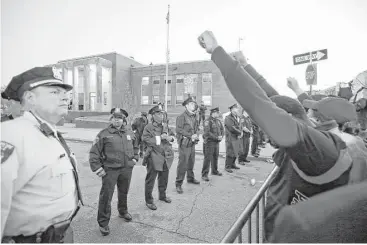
167, 61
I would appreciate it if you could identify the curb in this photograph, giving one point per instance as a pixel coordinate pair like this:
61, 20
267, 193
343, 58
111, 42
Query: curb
221, 154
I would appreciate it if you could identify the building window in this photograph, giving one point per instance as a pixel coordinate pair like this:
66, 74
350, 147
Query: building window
105, 98
180, 90
145, 91
155, 90
81, 101
92, 101
191, 86
169, 89
207, 88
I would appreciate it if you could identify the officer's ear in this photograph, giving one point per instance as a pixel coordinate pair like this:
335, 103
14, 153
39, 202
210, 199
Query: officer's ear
28, 98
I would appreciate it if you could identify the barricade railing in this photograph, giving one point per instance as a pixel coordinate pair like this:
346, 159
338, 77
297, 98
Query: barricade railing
236, 230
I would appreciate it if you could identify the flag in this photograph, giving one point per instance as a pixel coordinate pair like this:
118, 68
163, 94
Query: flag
167, 18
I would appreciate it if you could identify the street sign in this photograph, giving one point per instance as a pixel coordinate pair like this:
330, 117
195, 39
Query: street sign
305, 58
311, 74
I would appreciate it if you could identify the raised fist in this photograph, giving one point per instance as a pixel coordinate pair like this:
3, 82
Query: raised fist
208, 41
292, 83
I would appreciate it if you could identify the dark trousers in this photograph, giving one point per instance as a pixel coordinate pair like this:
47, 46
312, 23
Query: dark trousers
245, 149
261, 139
186, 161
121, 177
254, 143
230, 162
201, 118
150, 180
211, 154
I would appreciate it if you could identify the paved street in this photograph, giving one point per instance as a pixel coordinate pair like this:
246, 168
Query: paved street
203, 214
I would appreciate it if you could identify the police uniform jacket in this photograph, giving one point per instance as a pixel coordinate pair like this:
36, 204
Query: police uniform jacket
139, 124
213, 128
114, 148
233, 131
246, 122
186, 126
38, 188
202, 109
162, 153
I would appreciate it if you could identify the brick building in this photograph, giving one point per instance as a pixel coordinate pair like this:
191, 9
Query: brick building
109, 80
201, 80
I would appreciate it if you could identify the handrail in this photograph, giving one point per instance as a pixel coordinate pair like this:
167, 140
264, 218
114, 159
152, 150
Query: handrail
236, 229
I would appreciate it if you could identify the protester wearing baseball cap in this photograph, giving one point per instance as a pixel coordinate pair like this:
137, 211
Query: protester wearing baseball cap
112, 157
33, 201
316, 161
332, 108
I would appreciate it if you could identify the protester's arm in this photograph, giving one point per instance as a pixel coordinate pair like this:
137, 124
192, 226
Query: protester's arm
269, 90
229, 124
294, 86
303, 96
281, 127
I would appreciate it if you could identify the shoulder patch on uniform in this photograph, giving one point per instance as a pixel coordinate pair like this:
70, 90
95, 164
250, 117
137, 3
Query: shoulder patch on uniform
206, 123
6, 150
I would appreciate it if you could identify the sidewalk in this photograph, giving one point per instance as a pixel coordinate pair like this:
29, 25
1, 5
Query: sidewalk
87, 135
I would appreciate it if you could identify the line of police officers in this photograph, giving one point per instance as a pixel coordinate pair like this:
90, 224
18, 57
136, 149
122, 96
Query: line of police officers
39, 172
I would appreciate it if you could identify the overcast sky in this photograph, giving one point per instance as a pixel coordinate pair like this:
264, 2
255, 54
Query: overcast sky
42, 32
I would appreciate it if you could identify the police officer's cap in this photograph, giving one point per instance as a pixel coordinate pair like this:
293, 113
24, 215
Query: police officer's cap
233, 106
119, 113
155, 109
188, 100
35, 77
216, 109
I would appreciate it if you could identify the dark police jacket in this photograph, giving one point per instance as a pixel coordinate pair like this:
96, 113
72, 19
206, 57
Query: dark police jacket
202, 109
114, 148
139, 124
233, 131
213, 128
246, 122
186, 126
159, 154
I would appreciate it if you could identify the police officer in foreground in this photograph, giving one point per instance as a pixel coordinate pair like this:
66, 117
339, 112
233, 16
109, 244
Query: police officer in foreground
112, 157
138, 127
157, 139
234, 135
187, 137
40, 192
213, 135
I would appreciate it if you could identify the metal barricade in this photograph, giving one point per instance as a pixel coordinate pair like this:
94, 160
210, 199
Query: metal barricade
236, 230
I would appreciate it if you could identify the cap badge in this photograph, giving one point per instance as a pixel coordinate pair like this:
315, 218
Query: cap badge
56, 73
